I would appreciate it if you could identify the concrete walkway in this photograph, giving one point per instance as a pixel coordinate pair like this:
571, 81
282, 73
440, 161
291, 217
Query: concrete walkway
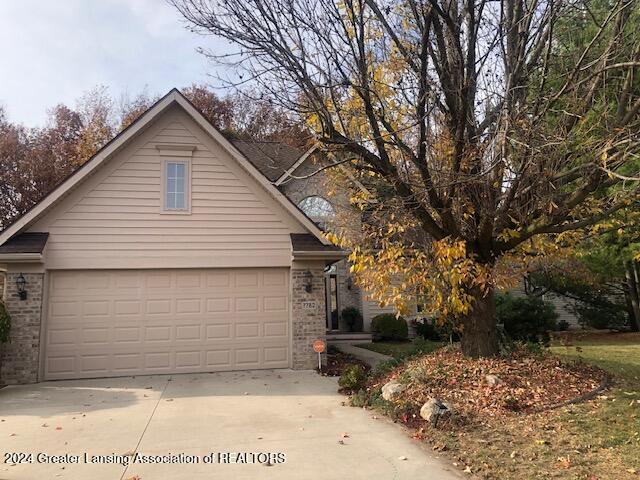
369, 357
297, 416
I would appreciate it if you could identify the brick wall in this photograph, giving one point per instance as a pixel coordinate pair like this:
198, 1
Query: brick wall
21, 355
347, 217
308, 324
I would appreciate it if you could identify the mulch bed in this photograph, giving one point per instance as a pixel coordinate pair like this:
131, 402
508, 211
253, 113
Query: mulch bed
338, 361
528, 383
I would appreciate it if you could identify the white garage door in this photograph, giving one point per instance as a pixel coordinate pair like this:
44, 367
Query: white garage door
110, 323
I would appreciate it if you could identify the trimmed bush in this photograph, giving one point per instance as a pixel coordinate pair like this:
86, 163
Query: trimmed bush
353, 378
428, 329
389, 327
353, 318
562, 326
527, 319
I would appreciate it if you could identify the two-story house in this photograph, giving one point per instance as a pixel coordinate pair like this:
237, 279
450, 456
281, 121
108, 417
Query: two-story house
175, 249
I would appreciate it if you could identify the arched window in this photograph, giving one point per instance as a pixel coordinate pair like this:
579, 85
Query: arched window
317, 209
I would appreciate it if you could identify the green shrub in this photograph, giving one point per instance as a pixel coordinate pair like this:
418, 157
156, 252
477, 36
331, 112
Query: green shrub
385, 366
389, 327
527, 319
5, 323
353, 318
353, 378
360, 399
429, 329
601, 315
562, 326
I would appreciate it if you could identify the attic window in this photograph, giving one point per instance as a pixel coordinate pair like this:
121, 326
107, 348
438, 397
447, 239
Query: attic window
317, 209
177, 188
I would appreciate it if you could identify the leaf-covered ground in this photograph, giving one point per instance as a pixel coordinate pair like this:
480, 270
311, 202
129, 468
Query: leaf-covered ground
499, 432
337, 361
527, 382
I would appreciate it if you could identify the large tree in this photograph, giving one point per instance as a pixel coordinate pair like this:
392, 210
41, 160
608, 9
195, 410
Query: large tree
483, 130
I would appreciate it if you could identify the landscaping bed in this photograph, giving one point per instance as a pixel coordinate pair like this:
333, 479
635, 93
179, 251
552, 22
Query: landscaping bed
517, 424
338, 361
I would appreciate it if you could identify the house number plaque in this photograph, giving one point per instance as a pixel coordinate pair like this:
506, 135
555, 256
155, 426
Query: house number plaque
310, 305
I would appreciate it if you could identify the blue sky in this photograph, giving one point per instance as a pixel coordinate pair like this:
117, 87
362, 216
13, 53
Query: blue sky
54, 51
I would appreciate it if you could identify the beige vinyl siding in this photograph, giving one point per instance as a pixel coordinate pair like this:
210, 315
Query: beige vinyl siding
116, 220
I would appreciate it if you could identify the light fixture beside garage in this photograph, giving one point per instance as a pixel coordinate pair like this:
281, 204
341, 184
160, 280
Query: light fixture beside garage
308, 281
21, 282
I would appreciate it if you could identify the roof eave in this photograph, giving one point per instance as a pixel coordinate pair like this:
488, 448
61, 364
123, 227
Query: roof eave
21, 257
320, 255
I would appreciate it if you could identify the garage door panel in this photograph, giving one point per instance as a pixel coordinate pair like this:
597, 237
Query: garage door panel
166, 321
219, 332
127, 362
218, 305
248, 357
62, 336
218, 359
96, 336
158, 307
218, 279
275, 355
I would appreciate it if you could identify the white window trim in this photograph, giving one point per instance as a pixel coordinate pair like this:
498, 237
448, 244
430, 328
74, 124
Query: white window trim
187, 191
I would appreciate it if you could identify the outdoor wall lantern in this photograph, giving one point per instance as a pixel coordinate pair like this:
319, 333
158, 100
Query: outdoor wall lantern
308, 281
20, 284
349, 283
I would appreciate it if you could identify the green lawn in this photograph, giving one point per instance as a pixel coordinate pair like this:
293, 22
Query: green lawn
610, 427
616, 353
400, 350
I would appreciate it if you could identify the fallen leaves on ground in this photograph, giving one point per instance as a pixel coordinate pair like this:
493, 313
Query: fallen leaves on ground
527, 382
338, 361
511, 429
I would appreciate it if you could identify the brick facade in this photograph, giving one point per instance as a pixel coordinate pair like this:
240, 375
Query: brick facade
308, 314
346, 217
20, 356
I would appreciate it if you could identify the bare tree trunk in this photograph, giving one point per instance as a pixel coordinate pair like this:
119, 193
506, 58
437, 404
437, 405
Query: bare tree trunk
479, 332
631, 274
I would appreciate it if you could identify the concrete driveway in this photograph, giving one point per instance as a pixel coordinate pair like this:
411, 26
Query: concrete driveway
298, 414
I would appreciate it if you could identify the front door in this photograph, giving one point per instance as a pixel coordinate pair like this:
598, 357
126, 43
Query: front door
331, 292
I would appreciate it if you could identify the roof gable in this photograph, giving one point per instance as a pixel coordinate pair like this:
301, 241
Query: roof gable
174, 97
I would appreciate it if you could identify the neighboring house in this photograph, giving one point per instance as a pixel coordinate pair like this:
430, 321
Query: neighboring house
168, 252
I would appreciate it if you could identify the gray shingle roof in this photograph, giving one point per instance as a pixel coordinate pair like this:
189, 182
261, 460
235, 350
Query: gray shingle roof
305, 242
271, 158
25, 243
